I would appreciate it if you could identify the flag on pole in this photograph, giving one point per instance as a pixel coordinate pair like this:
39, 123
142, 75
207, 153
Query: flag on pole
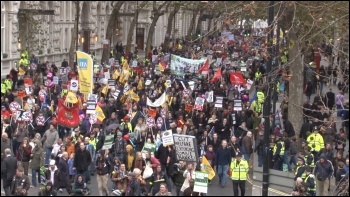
126, 65
105, 89
205, 68
216, 76
161, 66
208, 168
99, 113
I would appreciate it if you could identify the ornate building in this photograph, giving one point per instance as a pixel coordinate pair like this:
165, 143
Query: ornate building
48, 34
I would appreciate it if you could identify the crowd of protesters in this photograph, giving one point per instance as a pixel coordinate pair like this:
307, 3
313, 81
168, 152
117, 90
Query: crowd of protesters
68, 158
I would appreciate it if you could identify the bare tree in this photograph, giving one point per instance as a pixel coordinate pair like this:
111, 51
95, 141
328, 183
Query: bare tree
74, 35
176, 9
156, 13
110, 28
132, 27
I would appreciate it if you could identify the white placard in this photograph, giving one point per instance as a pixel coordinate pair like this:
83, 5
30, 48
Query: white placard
198, 105
116, 94
218, 60
55, 80
168, 83
237, 105
74, 85
107, 75
134, 63
201, 182
209, 96
92, 97
29, 90
218, 102
186, 147
249, 84
167, 138
154, 58
191, 84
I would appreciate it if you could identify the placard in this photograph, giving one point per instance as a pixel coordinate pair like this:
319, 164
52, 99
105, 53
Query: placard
111, 83
201, 182
28, 81
167, 138
63, 71
218, 102
150, 122
116, 94
154, 58
107, 75
237, 105
186, 93
29, 90
198, 105
148, 147
91, 107
92, 119
108, 142
168, 84
162, 113
21, 94
186, 147
73, 85
55, 80
134, 63
218, 60
159, 122
93, 97
233, 118
209, 96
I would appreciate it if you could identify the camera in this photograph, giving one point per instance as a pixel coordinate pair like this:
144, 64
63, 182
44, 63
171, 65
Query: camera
176, 166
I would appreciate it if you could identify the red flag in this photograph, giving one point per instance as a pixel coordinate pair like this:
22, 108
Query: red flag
138, 70
237, 79
216, 76
162, 66
68, 116
204, 68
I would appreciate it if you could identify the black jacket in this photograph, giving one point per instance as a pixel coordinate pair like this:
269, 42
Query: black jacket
133, 189
288, 128
63, 169
82, 160
102, 166
8, 167
324, 170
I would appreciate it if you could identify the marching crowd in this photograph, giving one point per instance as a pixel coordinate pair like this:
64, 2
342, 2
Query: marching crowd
68, 158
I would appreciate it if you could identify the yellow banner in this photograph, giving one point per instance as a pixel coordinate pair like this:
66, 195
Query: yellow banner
85, 71
206, 167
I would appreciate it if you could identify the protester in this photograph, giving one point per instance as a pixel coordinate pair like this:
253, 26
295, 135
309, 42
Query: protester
20, 184
8, 171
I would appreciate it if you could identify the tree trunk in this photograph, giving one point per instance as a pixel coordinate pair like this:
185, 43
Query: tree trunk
110, 29
132, 27
199, 22
74, 39
209, 24
295, 111
170, 26
151, 32
192, 23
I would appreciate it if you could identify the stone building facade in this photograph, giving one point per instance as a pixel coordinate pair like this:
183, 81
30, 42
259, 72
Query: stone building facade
51, 34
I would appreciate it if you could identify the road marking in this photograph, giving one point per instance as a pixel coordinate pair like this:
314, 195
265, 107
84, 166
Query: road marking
270, 189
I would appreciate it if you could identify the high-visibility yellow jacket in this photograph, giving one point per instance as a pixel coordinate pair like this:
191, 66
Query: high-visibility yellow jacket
261, 96
239, 170
315, 141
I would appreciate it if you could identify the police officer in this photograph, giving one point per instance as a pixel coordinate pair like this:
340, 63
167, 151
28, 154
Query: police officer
239, 168
260, 96
300, 170
309, 158
278, 153
257, 77
315, 141
8, 83
3, 88
309, 182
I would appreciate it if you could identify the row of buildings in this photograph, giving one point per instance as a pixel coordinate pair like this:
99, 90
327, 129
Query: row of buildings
49, 33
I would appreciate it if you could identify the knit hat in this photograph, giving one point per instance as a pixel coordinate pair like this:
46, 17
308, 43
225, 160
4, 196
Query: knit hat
119, 133
129, 147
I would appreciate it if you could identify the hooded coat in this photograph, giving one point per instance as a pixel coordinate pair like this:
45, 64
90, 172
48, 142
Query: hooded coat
323, 170
38, 156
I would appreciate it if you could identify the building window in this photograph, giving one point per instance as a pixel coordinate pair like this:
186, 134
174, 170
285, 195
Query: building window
62, 10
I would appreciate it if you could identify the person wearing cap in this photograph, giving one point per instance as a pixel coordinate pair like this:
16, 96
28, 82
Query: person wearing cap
300, 169
323, 170
134, 188
52, 174
278, 153
239, 172
309, 158
309, 182
316, 142
118, 147
48, 190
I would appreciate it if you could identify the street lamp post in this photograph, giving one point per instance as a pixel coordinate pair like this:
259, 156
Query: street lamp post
267, 106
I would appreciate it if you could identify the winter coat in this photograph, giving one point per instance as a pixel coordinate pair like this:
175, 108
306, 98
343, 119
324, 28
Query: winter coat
64, 172
37, 156
82, 160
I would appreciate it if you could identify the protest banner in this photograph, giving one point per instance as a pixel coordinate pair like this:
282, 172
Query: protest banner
186, 147
73, 85
201, 182
85, 71
167, 138
219, 102
181, 66
237, 105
